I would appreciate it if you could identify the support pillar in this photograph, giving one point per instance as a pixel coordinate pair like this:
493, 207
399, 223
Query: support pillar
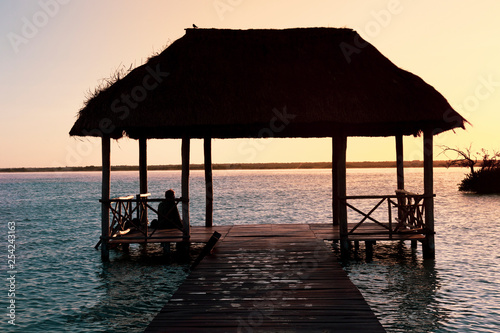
209, 189
143, 166
339, 145
185, 187
369, 250
428, 246
143, 175
166, 248
106, 185
399, 162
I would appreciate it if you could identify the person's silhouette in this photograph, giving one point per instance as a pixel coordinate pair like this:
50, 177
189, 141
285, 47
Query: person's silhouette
168, 214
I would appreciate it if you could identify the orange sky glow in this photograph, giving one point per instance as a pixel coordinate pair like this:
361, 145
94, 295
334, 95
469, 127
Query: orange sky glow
52, 52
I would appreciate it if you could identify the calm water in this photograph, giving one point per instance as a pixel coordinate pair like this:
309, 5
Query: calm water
61, 284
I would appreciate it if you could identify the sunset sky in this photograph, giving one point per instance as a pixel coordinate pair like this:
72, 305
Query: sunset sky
52, 52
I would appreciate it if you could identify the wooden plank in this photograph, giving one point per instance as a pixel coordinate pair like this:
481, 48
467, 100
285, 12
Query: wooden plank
273, 283
255, 236
198, 235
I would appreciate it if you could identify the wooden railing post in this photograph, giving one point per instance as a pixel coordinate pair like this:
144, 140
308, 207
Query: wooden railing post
390, 217
401, 177
120, 217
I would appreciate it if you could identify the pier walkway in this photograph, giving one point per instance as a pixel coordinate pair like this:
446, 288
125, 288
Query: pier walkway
267, 278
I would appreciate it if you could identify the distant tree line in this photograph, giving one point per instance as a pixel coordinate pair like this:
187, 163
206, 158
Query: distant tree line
235, 166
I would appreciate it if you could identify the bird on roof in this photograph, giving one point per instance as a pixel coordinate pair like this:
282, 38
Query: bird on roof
194, 26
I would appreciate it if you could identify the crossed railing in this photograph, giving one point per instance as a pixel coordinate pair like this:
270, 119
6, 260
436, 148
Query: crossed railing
131, 212
409, 217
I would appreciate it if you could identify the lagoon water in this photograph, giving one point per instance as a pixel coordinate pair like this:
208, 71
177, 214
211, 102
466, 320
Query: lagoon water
62, 286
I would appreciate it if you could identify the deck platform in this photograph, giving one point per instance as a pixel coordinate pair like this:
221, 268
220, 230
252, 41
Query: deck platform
267, 278
198, 235
323, 231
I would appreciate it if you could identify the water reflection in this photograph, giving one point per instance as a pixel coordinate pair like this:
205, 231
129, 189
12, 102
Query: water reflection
401, 288
133, 287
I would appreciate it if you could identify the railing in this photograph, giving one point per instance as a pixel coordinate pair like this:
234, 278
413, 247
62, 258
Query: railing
130, 213
408, 218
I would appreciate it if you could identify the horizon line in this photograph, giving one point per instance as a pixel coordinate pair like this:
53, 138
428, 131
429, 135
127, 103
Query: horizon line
230, 166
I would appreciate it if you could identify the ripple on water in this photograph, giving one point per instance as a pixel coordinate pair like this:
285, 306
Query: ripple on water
63, 286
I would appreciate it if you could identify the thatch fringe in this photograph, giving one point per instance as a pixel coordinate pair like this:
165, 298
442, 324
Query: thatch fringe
120, 72
310, 82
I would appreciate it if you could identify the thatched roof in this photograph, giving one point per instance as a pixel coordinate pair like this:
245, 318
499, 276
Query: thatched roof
311, 82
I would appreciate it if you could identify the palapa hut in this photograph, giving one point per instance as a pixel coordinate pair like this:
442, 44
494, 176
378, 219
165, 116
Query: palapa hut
309, 82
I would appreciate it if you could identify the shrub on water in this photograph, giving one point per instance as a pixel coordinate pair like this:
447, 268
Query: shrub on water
482, 181
486, 179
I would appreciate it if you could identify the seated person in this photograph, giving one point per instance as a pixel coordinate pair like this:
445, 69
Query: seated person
168, 214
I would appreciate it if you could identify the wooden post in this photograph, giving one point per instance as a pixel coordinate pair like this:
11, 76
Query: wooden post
428, 246
339, 145
185, 187
143, 166
143, 176
106, 185
209, 188
166, 248
369, 250
399, 162
401, 178
206, 249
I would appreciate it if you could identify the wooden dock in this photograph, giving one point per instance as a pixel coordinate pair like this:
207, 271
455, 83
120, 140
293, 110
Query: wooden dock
322, 231
267, 278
